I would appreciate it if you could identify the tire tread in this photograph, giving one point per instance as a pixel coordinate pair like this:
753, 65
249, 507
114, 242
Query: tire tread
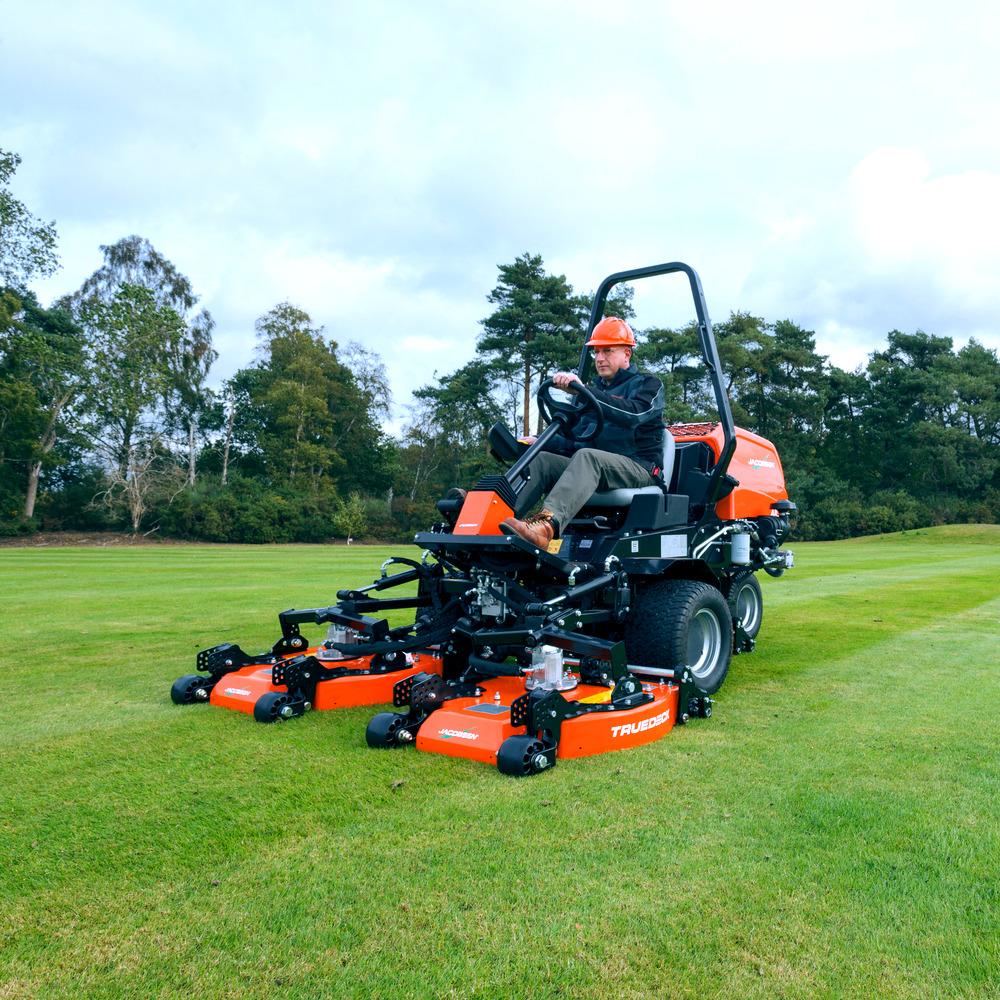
656, 633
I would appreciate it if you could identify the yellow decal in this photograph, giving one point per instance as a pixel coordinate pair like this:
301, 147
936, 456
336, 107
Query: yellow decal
596, 699
554, 546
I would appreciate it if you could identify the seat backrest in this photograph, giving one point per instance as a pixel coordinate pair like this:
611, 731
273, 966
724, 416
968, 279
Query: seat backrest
669, 451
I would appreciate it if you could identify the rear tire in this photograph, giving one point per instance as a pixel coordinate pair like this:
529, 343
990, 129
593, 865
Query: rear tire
681, 623
746, 604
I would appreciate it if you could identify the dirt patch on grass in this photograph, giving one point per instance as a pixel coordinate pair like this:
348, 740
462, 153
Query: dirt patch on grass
120, 539
44, 539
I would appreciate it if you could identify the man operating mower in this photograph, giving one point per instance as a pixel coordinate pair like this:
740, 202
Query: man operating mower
625, 455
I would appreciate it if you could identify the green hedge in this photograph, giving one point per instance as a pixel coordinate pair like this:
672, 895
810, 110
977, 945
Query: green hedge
249, 511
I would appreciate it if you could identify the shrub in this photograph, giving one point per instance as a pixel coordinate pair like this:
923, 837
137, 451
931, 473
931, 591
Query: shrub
249, 511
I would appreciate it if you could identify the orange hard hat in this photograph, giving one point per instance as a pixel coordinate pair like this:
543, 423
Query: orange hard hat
612, 332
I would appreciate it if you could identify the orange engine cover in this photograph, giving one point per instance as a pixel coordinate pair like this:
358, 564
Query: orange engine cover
755, 464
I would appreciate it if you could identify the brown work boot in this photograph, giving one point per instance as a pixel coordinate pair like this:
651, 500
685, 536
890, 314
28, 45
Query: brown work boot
538, 529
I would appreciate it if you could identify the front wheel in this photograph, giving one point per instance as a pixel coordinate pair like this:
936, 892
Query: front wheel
384, 730
189, 689
681, 623
271, 707
521, 756
746, 604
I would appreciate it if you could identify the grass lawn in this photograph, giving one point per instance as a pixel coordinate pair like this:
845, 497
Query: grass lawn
833, 830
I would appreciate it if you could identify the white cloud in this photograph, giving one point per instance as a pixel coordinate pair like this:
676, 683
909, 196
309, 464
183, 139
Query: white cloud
792, 32
421, 344
949, 223
896, 243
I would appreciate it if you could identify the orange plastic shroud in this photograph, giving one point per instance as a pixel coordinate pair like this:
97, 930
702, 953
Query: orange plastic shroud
482, 513
755, 464
240, 690
475, 727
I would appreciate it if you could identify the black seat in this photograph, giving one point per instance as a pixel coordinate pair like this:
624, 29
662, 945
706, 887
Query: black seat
622, 498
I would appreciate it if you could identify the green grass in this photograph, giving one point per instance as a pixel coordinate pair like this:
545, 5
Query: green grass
833, 830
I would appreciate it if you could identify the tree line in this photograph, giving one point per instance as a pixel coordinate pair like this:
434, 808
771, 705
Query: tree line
109, 418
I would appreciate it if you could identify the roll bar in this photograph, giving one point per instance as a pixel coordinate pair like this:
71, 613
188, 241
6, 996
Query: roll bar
709, 353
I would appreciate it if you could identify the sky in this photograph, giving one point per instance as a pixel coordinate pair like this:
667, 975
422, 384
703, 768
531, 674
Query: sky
373, 163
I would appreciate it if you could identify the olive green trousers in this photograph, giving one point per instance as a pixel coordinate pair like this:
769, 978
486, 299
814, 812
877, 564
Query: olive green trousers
570, 482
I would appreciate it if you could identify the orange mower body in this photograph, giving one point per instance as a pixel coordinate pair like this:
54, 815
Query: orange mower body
755, 464
477, 727
242, 689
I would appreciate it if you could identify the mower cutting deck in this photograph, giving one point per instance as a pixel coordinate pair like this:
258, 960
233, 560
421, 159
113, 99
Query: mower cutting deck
519, 724
358, 663
254, 691
488, 728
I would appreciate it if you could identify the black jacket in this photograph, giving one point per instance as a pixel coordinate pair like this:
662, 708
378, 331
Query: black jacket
632, 404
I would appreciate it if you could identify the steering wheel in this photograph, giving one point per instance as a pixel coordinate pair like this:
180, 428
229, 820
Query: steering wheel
570, 413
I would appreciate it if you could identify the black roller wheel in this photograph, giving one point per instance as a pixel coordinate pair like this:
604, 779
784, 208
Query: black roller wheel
746, 604
268, 707
184, 690
382, 732
516, 756
681, 623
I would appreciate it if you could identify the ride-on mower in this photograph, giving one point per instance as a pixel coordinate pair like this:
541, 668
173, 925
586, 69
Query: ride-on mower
622, 628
